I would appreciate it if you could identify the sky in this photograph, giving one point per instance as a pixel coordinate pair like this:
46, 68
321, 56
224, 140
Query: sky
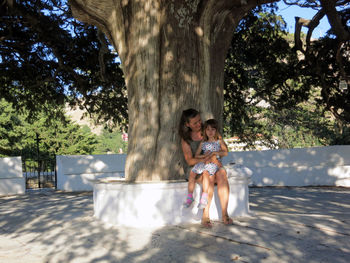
289, 12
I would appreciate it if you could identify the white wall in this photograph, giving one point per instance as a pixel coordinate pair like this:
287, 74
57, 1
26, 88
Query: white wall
11, 176
77, 172
326, 166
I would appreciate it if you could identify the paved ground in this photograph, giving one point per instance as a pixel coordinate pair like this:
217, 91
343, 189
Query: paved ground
290, 225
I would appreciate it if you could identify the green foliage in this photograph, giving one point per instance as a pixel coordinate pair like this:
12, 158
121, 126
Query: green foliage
270, 91
63, 138
321, 69
300, 126
255, 69
11, 130
48, 57
56, 136
111, 142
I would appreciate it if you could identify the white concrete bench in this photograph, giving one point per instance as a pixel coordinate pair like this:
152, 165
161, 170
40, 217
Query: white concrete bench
161, 203
11, 176
141, 204
77, 172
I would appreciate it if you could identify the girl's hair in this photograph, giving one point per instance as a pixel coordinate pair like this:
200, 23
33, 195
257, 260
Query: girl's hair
184, 131
214, 124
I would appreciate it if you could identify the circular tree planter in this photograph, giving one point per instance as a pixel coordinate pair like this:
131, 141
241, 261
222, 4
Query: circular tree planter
156, 204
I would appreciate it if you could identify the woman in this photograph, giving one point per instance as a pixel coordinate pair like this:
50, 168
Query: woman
190, 131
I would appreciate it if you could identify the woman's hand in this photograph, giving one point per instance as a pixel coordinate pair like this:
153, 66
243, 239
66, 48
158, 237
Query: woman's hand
214, 159
207, 158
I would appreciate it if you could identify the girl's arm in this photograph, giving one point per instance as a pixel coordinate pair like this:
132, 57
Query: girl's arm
190, 159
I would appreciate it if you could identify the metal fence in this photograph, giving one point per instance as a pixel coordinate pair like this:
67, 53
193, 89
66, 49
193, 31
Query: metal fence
40, 173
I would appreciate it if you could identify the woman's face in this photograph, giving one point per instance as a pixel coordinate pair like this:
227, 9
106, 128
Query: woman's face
195, 123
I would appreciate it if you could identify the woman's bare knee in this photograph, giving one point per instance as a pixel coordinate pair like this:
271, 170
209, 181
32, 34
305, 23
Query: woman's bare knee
221, 175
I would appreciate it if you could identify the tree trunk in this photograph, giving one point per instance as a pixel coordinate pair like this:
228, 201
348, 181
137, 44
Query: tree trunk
173, 55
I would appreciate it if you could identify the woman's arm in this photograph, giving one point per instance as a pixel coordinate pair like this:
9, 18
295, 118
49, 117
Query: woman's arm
190, 159
198, 152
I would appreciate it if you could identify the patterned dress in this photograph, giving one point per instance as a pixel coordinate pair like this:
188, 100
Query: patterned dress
212, 168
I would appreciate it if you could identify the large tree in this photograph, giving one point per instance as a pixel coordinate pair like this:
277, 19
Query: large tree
173, 55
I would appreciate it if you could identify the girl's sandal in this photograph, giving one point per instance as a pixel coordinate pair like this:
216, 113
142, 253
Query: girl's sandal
227, 220
206, 223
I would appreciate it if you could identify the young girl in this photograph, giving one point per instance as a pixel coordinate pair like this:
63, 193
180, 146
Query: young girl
212, 145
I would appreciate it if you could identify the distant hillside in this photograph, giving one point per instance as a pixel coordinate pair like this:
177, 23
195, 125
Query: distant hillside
76, 116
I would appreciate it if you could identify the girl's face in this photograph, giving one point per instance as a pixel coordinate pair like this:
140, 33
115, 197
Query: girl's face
195, 123
210, 132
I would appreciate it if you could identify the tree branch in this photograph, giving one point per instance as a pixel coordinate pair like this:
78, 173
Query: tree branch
335, 20
102, 52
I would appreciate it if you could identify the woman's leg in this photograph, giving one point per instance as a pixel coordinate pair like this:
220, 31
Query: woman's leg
204, 196
205, 176
205, 216
223, 192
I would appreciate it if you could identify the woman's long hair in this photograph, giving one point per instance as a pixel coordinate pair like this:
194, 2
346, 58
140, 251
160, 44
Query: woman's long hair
184, 131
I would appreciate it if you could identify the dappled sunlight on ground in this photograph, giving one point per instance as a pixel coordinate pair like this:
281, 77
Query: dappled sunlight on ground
308, 224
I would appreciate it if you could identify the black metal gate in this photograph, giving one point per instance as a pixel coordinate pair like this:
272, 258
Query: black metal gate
40, 173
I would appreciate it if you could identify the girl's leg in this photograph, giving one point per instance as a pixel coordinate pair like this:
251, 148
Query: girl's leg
191, 184
223, 192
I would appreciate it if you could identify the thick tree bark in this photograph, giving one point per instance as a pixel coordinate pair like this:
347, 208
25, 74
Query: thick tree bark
173, 55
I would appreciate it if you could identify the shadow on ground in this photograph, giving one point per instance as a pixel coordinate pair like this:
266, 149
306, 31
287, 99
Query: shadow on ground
290, 225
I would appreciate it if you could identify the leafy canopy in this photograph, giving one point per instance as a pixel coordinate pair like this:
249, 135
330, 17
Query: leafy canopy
49, 57
271, 90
